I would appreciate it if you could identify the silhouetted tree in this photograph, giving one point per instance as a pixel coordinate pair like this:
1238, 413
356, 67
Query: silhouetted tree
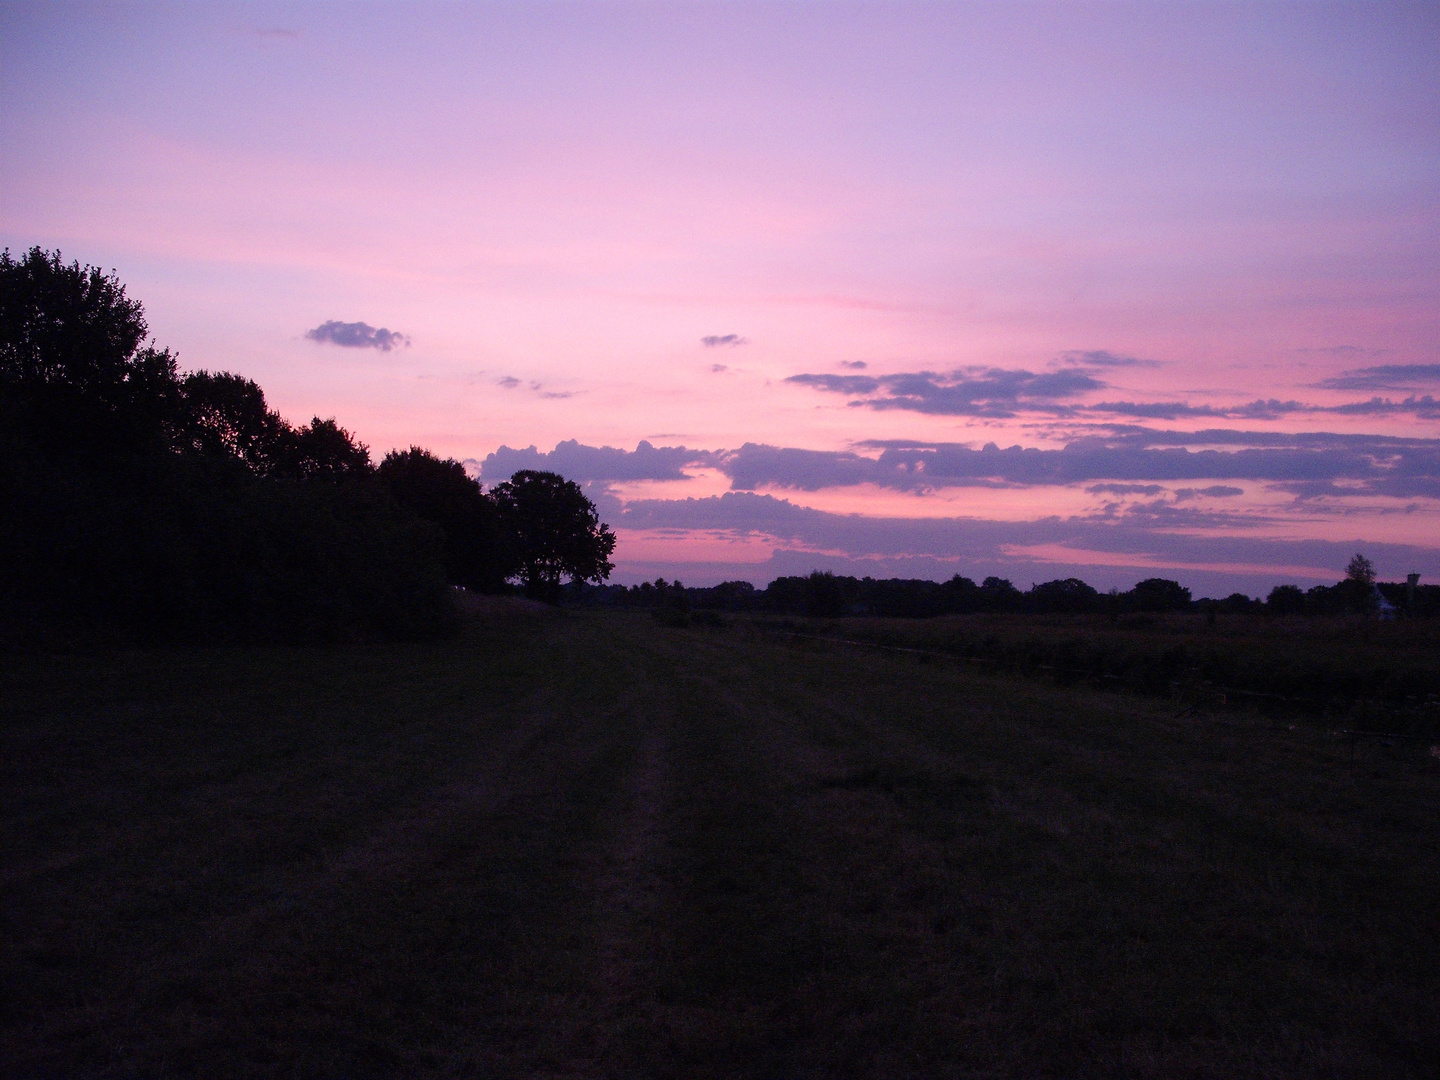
1159, 594
824, 595
1285, 600
1356, 594
997, 594
440, 491
1070, 595
1361, 570
226, 415
321, 450
73, 374
553, 530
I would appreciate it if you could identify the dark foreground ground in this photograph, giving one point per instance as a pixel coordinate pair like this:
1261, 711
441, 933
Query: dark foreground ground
591, 846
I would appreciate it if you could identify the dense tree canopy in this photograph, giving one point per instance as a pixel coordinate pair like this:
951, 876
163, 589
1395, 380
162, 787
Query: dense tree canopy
476, 555
66, 326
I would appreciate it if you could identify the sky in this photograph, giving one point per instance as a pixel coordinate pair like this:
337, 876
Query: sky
1025, 290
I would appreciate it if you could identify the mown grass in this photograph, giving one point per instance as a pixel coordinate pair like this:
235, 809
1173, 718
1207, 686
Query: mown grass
594, 846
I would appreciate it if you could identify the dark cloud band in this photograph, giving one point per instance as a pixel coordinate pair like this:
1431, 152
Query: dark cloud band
1121, 461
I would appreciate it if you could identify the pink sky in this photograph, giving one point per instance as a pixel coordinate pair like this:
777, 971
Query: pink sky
1067, 215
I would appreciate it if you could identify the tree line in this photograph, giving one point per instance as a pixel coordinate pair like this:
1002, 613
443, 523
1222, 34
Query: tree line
823, 594
155, 504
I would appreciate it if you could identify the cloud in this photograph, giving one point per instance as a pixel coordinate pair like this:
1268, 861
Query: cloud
1101, 358
575, 461
969, 391
357, 335
1130, 460
1384, 377
722, 341
509, 382
1123, 460
1345, 350
717, 368
1174, 410
1216, 491
855, 365
758, 465
1424, 408
1125, 489
1001, 393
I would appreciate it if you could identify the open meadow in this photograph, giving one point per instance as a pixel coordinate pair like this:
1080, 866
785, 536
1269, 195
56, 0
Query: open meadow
580, 844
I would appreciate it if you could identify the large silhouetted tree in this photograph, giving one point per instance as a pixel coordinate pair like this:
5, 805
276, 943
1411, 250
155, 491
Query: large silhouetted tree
554, 530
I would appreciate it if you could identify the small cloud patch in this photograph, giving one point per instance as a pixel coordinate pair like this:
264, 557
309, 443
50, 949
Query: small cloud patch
854, 365
723, 341
1148, 490
1102, 358
717, 368
509, 382
357, 335
1217, 491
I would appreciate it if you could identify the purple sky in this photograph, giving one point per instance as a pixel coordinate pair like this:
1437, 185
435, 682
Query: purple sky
1031, 290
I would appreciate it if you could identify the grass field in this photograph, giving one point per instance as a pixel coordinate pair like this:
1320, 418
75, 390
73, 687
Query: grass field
584, 845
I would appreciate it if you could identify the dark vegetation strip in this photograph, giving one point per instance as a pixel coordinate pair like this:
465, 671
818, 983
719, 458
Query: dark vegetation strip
1350, 671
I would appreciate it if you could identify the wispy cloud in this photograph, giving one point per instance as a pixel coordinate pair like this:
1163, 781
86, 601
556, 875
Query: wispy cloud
1174, 410
1002, 393
723, 341
576, 461
968, 391
1385, 377
1125, 489
1130, 461
357, 335
1102, 358
1354, 351
1215, 491
1424, 408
